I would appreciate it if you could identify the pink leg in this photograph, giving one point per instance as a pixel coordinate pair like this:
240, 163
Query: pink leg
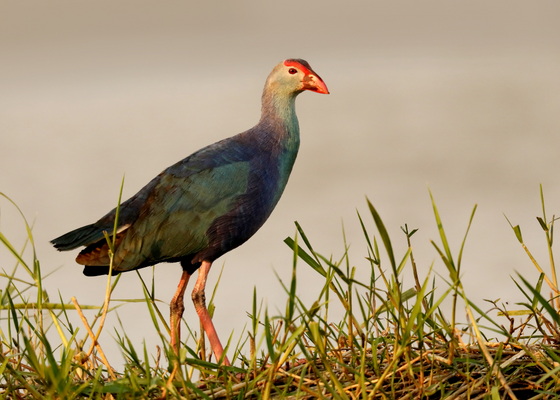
199, 300
176, 309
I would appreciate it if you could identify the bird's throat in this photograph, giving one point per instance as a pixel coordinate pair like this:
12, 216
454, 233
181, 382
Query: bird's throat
280, 120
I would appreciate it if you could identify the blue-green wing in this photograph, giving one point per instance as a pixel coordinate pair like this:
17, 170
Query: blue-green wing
178, 212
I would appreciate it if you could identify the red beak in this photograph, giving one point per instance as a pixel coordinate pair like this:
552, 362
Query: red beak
314, 83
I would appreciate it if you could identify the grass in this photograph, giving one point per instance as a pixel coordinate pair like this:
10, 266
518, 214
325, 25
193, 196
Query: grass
393, 342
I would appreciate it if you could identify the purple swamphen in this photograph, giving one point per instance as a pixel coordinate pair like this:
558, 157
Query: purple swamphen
206, 204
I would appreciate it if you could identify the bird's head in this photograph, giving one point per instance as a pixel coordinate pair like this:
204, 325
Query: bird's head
294, 76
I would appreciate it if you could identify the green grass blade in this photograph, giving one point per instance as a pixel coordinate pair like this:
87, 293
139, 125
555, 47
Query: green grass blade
544, 302
305, 257
384, 235
442, 232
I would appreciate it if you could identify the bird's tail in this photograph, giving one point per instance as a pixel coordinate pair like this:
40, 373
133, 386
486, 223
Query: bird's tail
78, 237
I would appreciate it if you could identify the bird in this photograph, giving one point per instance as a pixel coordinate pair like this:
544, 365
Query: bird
205, 205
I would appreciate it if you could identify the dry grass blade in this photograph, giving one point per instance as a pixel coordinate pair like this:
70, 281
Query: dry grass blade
93, 338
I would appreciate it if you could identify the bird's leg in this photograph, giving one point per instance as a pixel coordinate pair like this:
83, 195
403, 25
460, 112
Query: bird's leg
199, 300
176, 309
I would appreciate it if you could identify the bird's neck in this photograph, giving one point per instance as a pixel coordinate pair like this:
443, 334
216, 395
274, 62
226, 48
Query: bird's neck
279, 118
280, 128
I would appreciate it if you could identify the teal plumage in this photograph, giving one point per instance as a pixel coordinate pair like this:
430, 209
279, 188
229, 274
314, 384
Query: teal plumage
210, 202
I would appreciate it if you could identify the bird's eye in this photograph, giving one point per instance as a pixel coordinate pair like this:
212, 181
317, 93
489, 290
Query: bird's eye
292, 71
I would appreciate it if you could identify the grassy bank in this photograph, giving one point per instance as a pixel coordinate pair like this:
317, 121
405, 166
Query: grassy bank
393, 342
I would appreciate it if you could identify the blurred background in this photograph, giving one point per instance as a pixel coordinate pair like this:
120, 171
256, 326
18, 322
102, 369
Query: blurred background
462, 97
